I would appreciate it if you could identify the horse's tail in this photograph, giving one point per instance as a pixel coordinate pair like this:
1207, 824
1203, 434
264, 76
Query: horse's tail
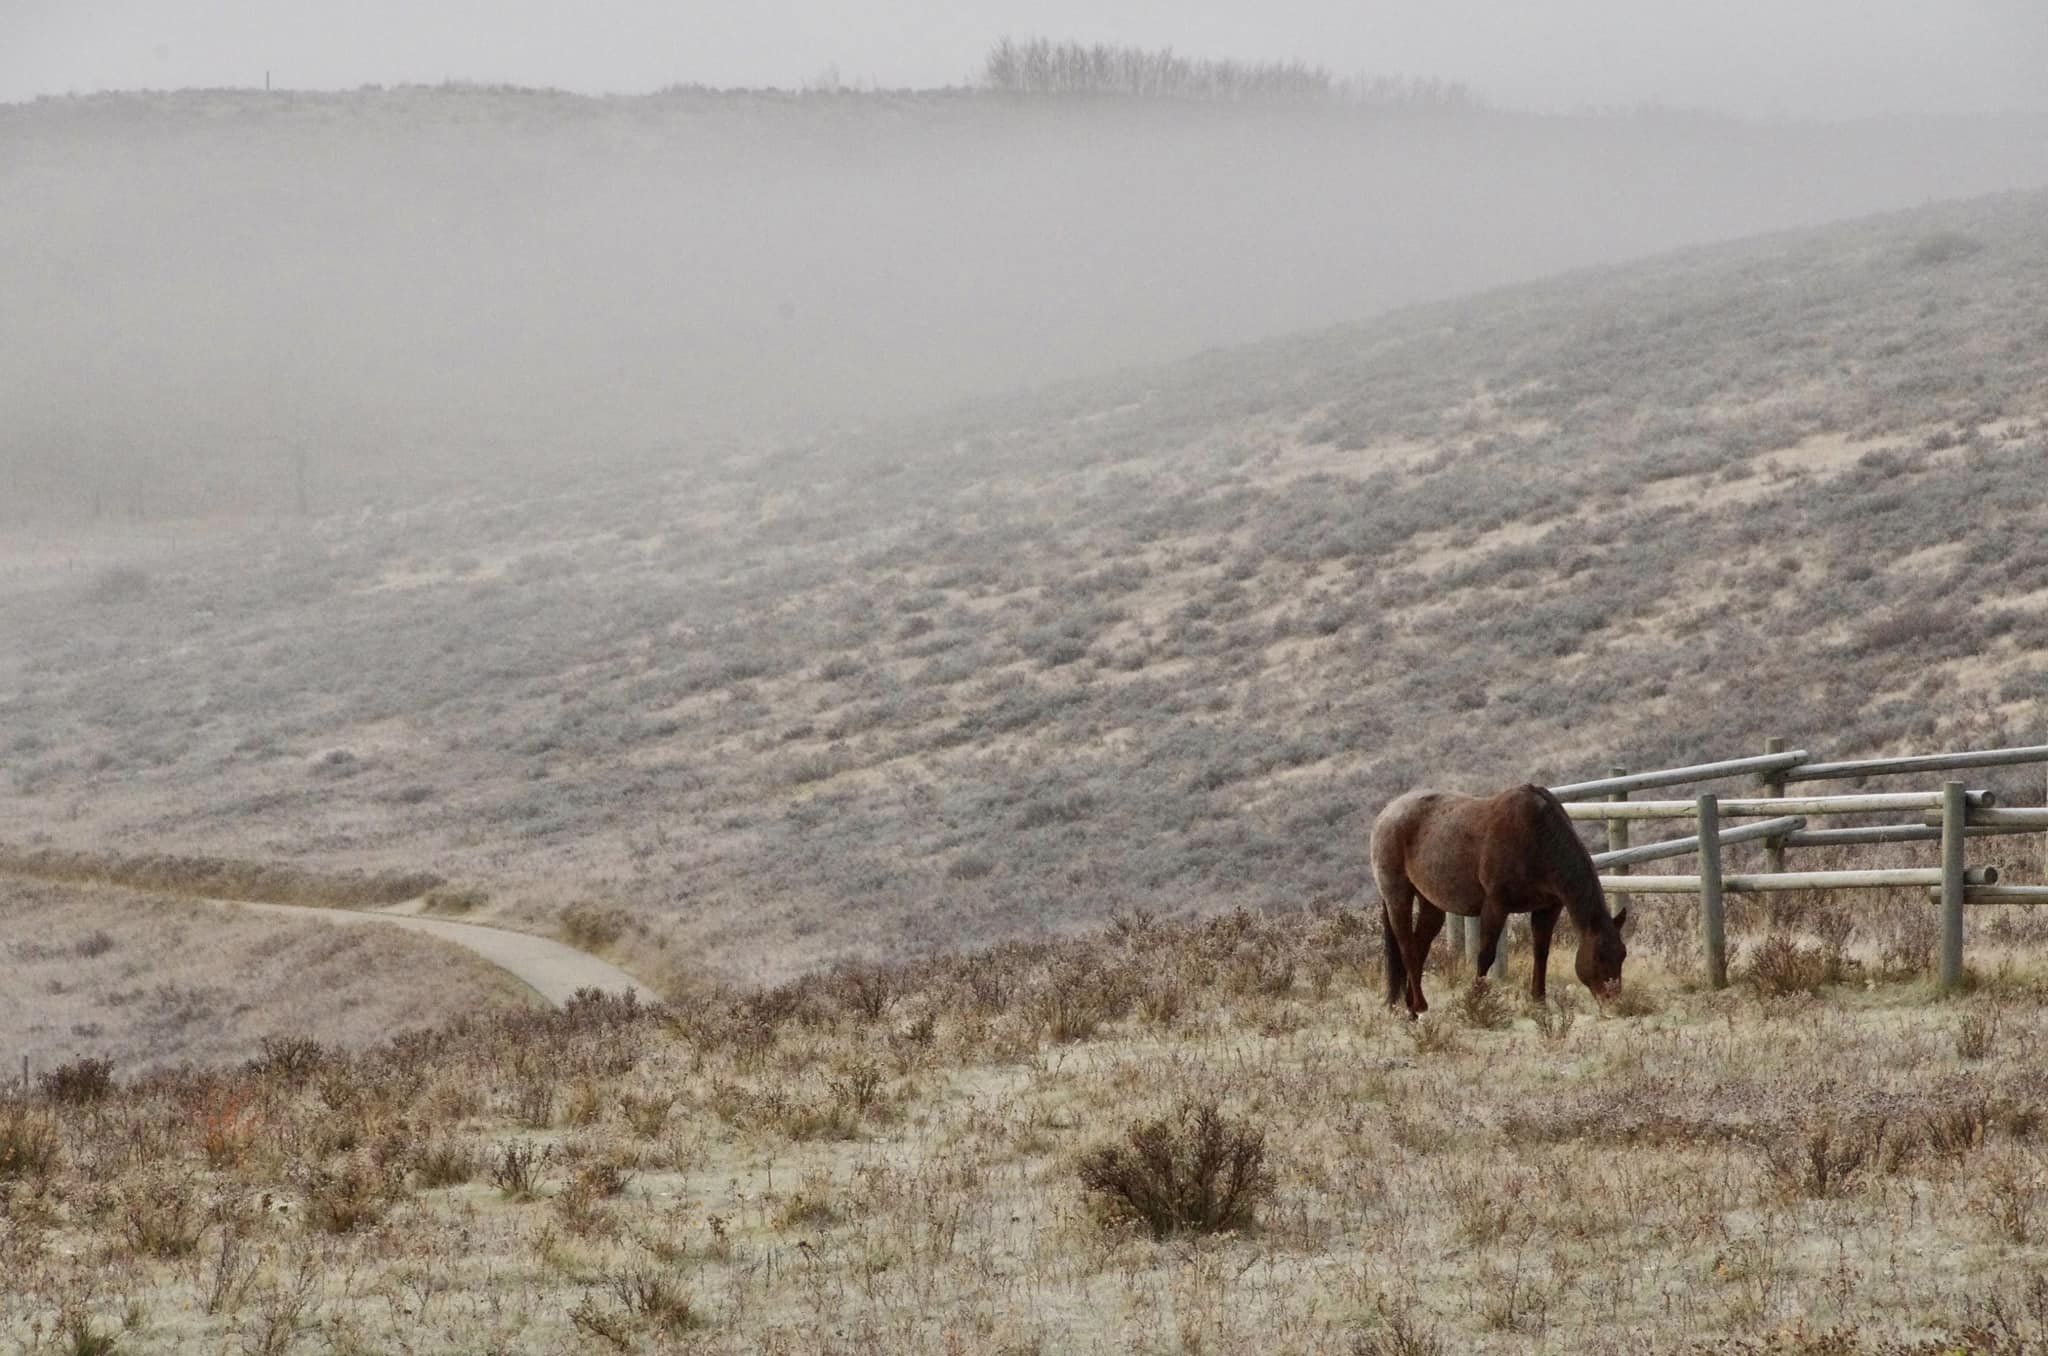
1397, 973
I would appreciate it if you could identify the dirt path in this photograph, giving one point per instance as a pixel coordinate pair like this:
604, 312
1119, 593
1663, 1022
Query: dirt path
551, 969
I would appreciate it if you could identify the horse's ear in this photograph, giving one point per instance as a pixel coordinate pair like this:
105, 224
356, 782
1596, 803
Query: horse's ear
1621, 918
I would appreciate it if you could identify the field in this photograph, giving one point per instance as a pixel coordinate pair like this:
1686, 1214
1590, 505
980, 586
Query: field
150, 982
1820, 1161
982, 787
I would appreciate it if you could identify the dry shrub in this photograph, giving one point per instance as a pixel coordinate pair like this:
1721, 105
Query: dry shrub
641, 1299
1434, 1037
647, 1115
161, 1215
28, 1143
586, 1103
1486, 1210
588, 927
582, 1211
1078, 997
1555, 1019
865, 990
515, 1170
451, 900
1957, 1124
445, 1163
1634, 1000
1908, 944
1779, 965
604, 1178
811, 1206
1261, 972
227, 1131
1402, 1331
1161, 1002
291, 1060
285, 1309
858, 1087
1976, 1033
353, 1196
1196, 1171
1483, 1008
1826, 1157
533, 1092
79, 1082
2010, 1198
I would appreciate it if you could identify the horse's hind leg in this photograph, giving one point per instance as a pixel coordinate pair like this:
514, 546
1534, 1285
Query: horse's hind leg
1397, 973
1429, 921
1397, 909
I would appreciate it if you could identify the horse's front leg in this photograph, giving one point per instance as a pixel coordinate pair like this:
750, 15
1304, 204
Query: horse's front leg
1541, 923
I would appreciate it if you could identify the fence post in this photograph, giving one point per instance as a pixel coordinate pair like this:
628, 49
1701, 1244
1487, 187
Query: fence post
1713, 923
1469, 929
1955, 813
1774, 785
1617, 838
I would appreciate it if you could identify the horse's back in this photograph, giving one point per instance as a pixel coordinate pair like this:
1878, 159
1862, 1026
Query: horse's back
1398, 822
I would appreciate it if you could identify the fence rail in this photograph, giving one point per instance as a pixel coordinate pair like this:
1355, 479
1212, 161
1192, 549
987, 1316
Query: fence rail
1926, 762
1950, 816
1680, 776
1681, 847
1767, 882
1771, 807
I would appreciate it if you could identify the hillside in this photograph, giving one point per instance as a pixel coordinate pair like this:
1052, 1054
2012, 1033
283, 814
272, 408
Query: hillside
412, 291
1164, 640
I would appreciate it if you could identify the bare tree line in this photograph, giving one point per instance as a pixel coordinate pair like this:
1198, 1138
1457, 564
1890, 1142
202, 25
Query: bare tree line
1043, 67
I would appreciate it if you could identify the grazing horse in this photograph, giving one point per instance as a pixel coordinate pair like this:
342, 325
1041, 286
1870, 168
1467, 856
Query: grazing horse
1435, 852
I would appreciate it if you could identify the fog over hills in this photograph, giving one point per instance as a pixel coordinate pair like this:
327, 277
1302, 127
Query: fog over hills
416, 286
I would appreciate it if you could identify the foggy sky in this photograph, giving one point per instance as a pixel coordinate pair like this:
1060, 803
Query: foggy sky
1809, 58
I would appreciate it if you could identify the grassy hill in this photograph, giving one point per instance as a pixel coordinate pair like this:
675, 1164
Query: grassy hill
1162, 640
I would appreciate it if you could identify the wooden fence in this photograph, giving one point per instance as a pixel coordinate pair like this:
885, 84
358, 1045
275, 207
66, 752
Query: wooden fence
1950, 816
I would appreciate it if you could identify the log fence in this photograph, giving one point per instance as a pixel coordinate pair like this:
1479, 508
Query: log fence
1950, 816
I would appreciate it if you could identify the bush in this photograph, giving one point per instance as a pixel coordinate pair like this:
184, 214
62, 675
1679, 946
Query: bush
452, 900
445, 1163
1195, 1171
290, 1060
1945, 247
1783, 966
28, 1143
590, 928
516, 1170
80, 1082
161, 1216
118, 584
346, 1199
1482, 1007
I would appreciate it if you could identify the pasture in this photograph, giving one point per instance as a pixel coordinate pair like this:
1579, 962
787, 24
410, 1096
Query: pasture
1822, 1158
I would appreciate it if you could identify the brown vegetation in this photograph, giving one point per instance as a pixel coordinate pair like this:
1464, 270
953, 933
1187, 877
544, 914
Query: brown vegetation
814, 1167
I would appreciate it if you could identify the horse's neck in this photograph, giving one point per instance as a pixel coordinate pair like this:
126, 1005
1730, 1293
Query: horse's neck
1579, 883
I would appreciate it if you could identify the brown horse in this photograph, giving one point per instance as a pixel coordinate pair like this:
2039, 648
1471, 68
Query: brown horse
1436, 853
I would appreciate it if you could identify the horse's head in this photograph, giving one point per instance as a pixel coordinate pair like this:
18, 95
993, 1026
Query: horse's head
1601, 952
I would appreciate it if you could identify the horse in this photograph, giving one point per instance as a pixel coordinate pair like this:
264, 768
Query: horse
1437, 853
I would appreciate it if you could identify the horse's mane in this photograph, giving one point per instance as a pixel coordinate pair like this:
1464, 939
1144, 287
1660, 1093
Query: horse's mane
1572, 866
